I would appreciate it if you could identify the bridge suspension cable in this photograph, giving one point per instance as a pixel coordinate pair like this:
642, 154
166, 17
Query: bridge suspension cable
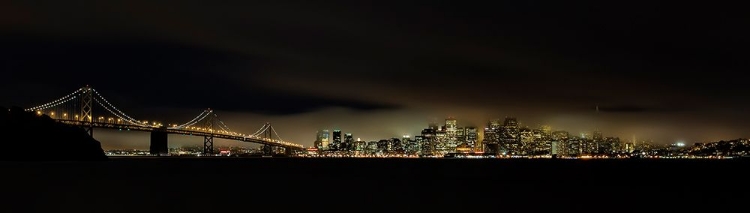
121, 115
275, 133
261, 130
192, 122
134, 122
57, 102
221, 124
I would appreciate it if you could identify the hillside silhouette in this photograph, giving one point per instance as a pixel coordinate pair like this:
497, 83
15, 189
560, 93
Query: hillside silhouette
27, 136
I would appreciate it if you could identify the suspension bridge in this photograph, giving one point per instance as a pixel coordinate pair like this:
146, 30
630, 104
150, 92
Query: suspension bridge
78, 108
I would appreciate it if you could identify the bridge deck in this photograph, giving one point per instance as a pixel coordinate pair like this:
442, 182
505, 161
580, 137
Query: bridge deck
243, 138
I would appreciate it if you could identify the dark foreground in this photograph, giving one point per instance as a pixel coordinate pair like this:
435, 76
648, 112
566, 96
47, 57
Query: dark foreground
356, 185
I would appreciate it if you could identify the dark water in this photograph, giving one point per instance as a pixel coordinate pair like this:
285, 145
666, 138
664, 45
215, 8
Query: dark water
214, 185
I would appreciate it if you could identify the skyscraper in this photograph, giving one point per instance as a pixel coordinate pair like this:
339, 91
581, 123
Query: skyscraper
472, 136
348, 138
322, 139
336, 139
428, 141
509, 136
450, 127
491, 139
348, 142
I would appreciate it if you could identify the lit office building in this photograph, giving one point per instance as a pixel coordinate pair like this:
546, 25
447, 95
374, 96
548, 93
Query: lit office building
526, 137
336, 140
509, 137
412, 145
491, 141
428, 141
322, 139
395, 146
471, 136
348, 142
451, 127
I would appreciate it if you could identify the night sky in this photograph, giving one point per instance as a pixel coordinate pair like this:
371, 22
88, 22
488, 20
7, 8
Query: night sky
664, 71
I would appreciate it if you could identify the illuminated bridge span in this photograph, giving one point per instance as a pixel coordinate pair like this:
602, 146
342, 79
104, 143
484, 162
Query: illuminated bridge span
78, 109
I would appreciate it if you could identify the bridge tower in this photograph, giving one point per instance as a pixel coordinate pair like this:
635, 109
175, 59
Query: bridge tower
268, 149
159, 145
87, 101
208, 141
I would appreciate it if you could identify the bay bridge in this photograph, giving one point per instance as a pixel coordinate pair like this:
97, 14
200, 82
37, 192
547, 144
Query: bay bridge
78, 108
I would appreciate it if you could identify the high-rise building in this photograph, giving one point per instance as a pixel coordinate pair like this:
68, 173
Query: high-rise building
395, 146
461, 134
510, 136
574, 146
412, 146
418, 144
471, 136
428, 141
491, 139
336, 139
372, 147
560, 138
359, 145
542, 141
383, 146
526, 138
322, 139
348, 138
348, 142
450, 127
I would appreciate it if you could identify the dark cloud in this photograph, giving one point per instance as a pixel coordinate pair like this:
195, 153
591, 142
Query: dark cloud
144, 73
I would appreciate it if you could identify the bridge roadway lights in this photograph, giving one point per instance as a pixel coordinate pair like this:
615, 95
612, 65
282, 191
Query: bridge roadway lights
159, 142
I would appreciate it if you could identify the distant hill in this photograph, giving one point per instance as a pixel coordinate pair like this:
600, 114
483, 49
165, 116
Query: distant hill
27, 136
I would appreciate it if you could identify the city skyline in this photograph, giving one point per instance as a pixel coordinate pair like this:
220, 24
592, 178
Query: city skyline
139, 140
457, 106
310, 66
